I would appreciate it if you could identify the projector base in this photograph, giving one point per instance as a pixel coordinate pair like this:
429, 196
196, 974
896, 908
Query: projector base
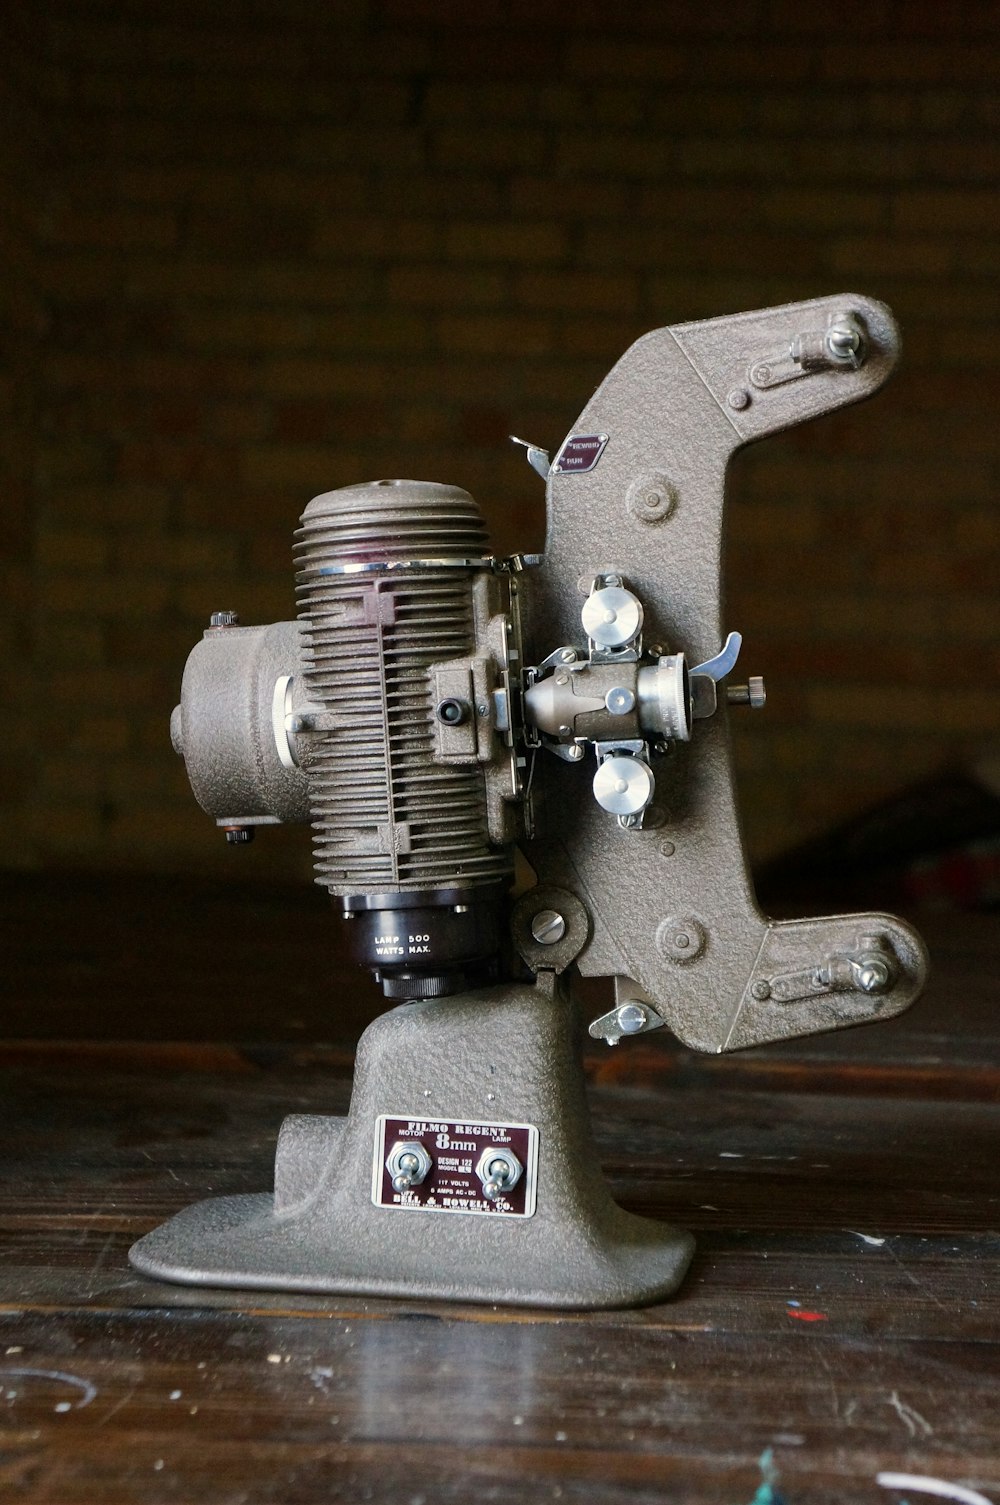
496, 1065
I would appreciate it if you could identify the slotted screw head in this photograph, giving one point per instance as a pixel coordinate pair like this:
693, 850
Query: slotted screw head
631, 1018
548, 927
874, 976
844, 343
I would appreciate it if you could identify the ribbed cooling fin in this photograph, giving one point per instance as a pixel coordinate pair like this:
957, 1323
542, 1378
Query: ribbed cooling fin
388, 818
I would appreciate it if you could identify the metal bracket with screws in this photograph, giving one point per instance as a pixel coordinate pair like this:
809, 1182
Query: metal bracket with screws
842, 345
627, 1019
869, 968
550, 927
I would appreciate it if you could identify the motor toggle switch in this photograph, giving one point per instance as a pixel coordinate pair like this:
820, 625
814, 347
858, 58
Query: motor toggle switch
408, 1164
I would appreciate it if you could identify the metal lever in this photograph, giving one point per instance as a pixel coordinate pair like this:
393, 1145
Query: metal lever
705, 678
538, 458
724, 661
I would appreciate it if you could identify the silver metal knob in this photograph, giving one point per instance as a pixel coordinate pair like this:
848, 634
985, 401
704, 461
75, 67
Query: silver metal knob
623, 785
619, 701
408, 1164
612, 616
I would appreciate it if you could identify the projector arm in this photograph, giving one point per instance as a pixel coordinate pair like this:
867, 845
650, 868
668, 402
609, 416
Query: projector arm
635, 500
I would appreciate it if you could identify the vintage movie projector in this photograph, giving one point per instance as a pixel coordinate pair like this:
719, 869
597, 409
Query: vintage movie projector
435, 707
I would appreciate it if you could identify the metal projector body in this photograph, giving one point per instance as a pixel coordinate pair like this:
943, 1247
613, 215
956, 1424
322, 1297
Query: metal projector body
431, 709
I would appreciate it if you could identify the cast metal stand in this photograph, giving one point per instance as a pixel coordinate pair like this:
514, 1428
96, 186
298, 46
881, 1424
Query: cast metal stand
503, 1057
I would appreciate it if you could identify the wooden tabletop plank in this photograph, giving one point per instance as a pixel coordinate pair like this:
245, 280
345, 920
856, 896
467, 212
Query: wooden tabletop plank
841, 1317
224, 1406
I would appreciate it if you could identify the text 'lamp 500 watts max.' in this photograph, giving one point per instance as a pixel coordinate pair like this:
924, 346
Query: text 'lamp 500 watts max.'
432, 708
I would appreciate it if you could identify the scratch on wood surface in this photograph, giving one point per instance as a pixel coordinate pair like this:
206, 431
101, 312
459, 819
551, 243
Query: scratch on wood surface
913, 1279
87, 1390
118, 1405
90, 1220
910, 1416
102, 1253
867, 1238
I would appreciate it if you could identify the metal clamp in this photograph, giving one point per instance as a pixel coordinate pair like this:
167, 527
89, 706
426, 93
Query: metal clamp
870, 968
631, 1017
842, 345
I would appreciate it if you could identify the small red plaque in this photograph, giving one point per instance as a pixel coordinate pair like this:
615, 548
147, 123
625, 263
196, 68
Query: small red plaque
580, 453
455, 1148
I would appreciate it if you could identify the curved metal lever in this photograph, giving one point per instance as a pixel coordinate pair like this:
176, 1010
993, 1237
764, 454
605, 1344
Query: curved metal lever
538, 458
724, 661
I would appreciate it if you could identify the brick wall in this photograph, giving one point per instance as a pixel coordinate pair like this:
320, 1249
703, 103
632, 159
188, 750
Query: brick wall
266, 247
20, 326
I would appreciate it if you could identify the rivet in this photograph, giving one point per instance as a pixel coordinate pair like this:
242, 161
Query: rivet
739, 398
651, 498
681, 938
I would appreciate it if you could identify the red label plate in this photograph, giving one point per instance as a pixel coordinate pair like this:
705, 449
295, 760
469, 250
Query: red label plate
579, 454
455, 1148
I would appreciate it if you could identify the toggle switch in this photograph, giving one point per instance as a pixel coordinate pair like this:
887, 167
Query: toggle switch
499, 1170
408, 1163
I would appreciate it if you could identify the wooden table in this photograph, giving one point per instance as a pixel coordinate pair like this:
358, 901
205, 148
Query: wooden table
840, 1319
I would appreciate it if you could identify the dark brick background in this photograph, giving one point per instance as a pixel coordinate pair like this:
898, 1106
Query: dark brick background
255, 249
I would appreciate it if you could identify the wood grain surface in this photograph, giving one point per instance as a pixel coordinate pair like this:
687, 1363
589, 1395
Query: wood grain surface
841, 1319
